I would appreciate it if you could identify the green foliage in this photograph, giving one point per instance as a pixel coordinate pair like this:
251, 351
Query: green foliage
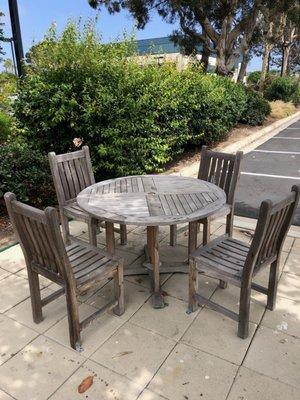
253, 78
25, 172
1, 34
285, 88
8, 88
134, 118
256, 110
5, 127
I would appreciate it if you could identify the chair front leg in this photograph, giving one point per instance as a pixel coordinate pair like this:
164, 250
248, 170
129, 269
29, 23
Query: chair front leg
173, 235
244, 312
273, 283
73, 318
119, 290
35, 296
193, 287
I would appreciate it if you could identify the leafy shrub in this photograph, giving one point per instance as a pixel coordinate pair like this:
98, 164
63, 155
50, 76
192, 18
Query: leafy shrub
285, 88
280, 109
5, 126
8, 88
134, 118
256, 109
253, 78
25, 172
215, 105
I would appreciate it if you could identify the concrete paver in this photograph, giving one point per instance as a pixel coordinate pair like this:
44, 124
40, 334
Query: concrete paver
149, 354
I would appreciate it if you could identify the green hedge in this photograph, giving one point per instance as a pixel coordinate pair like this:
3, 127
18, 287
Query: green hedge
134, 118
285, 88
5, 126
256, 110
25, 171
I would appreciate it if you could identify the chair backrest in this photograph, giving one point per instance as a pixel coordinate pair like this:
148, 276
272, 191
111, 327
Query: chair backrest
71, 173
273, 223
222, 169
40, 238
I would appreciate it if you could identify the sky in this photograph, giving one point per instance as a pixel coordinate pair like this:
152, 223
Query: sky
36, 16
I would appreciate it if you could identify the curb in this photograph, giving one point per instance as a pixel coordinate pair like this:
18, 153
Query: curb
8, 246
256, 139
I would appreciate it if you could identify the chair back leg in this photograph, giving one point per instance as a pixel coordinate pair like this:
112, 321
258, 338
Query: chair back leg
92, 227
222, 284
272, 287
65, 228
193, 287
206, 231
173, 235
35, 296
119, 290
73, 318
244, 312
123, 234
229, 223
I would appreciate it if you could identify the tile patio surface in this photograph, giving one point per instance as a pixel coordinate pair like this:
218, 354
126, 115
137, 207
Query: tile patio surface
149, 354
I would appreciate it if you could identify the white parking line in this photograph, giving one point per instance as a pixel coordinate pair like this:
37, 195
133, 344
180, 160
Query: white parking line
282, 137
276, 151
271, 176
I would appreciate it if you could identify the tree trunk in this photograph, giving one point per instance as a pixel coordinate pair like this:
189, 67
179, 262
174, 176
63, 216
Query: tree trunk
205, 57
243, 68
223, 66
264, 69
285, 58
269, 63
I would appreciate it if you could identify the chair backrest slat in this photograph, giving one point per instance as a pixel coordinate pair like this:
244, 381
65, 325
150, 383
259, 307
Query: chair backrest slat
40, 237
222, 169
272, 226
71, 173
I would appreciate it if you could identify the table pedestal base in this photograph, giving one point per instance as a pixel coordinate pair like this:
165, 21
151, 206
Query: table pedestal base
155, 267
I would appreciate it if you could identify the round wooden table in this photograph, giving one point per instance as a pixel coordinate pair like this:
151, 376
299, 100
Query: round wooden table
151, 201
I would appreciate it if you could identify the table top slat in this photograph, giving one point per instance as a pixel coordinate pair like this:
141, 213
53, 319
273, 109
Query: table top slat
151, 200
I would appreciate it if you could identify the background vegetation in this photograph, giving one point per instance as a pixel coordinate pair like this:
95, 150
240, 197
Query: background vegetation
134, 118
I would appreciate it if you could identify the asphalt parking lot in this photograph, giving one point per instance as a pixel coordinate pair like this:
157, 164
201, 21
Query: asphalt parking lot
269, 172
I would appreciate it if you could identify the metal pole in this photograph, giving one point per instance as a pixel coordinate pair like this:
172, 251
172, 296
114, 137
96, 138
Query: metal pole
13, 55
16, 32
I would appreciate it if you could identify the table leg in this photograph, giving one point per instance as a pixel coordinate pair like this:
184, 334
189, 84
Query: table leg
193, 231
152, 233
110, 237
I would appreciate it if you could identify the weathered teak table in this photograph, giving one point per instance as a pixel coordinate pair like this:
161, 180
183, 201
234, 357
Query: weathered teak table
152, 200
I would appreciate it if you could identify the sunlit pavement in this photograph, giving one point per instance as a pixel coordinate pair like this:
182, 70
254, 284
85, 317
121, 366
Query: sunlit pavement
152, 354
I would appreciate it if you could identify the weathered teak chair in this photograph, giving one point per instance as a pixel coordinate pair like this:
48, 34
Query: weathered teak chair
237, 262
76, 268
223, 170
71, 173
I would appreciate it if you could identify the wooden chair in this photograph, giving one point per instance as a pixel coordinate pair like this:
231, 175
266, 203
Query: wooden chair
71, 173
76, 268
237, 262
223, 170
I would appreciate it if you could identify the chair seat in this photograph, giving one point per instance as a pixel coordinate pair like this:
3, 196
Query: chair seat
90, 264
72, 210
223, 256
